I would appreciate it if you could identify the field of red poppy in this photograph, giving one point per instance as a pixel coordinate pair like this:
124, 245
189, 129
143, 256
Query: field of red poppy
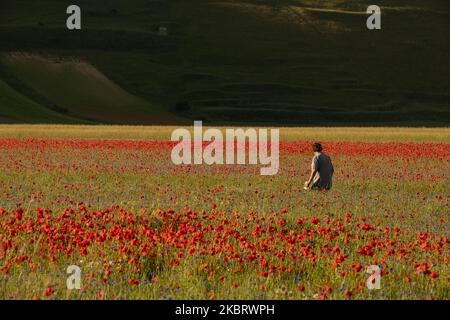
111, 202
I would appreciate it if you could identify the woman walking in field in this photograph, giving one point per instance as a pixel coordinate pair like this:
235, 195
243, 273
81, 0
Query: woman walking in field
321, 170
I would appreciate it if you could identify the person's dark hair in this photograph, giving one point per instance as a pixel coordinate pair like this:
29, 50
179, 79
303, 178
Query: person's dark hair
317, 147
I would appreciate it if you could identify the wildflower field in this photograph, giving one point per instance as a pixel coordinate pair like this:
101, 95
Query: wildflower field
109, 200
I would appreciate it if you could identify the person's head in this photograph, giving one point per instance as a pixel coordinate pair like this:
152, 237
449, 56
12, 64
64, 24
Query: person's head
317, 147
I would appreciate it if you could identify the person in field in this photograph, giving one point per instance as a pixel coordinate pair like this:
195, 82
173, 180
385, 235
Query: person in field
321, 170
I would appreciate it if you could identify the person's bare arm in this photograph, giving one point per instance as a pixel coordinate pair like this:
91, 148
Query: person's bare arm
311, 177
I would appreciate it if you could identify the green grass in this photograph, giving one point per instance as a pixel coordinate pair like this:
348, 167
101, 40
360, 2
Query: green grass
438, 135
291, 62
14, 107
396, 190
82, 90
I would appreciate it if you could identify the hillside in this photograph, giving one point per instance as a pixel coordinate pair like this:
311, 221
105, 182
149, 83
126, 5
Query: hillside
228, 61
14, 107
78, 89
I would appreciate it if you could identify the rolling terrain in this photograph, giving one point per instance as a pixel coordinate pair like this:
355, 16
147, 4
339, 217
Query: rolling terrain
226, 61
78, 89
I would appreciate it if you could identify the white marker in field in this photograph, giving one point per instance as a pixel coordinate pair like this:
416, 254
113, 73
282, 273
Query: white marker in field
374, 21
74, 20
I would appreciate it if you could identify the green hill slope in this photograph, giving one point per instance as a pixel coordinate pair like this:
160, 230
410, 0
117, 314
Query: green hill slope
81, 90
233, 61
